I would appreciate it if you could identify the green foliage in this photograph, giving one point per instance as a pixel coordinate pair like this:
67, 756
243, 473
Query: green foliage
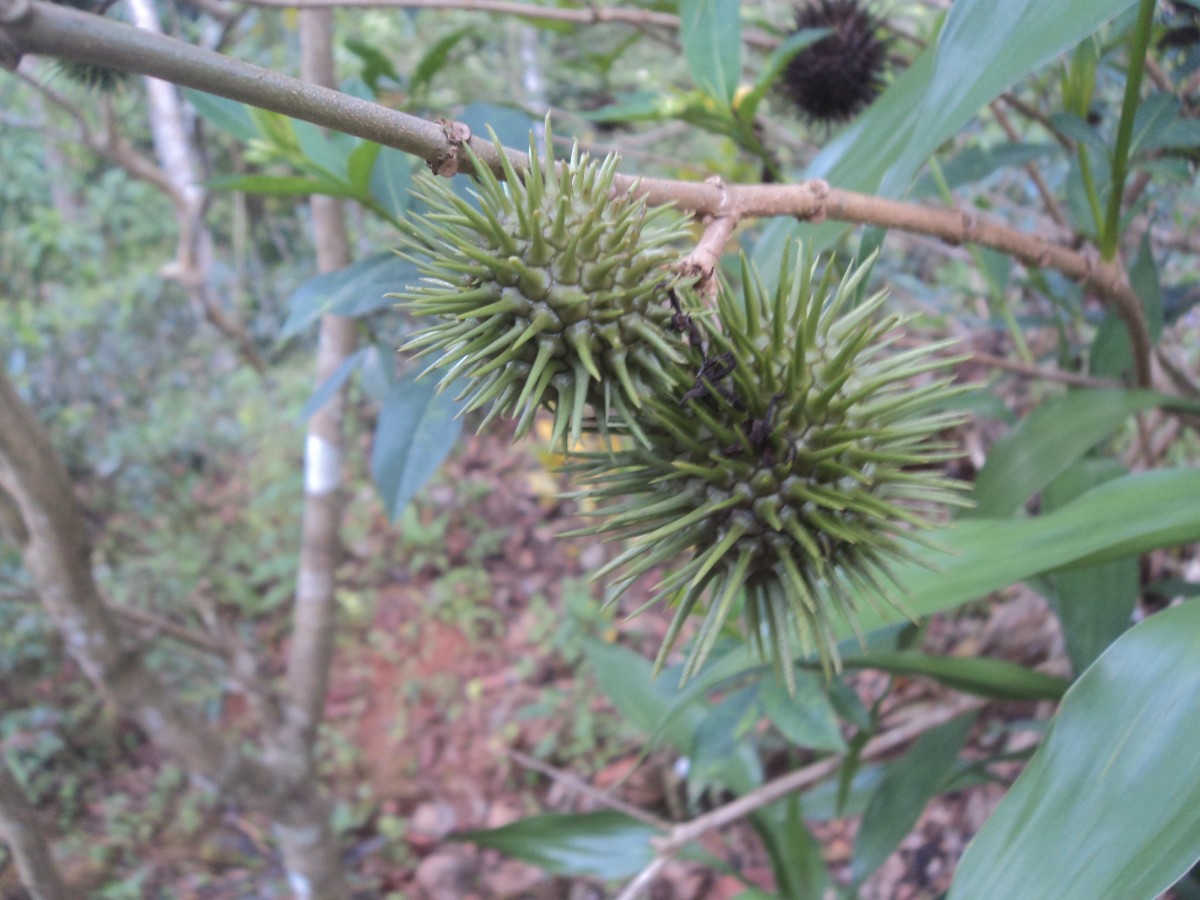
608, 844
1109, 806
548, 295
796, 481
189, 467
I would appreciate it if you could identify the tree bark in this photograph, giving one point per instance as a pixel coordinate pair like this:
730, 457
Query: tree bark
56, 554
193, 255
20, 830
311, 649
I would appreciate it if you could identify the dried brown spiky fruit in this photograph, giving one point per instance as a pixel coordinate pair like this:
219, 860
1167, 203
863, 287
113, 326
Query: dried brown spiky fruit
837, 77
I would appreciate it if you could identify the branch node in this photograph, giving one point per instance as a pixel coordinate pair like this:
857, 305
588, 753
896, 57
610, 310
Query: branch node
446, 164
719, 183
819, 188
969, 226
701, 263
12, 12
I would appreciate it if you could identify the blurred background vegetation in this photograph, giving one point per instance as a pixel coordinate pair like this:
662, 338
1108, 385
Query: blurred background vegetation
478, 678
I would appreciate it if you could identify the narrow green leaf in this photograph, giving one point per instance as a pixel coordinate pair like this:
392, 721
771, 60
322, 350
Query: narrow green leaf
606, 844
417, 429
376, 65
711, 31
391, 177
434, 59
325, 151
1154, 117
806, 719
1109, 806
1047, 441
331, 384
359, 164
984, 47
775, 63
228, 115
356, 290
635, 106
649, 703
1094, 604
796, 858
1124, 517
973, 164
721, 737
907, 786
972, 674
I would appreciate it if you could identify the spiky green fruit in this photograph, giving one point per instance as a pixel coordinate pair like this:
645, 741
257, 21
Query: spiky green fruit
549, 293
794, 480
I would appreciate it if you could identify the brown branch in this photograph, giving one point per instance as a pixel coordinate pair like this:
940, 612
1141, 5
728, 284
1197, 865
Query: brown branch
764, 795
105, 144
22, 832
34, 26
56, 554
701, 264
588, 15
579, 786
1036, 115
1036, 372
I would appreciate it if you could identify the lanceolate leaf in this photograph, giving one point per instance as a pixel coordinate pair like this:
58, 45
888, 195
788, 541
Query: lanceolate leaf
711, 31
228, 115
907, 786
606, 844
331, 384
1094, 603
972, 674
1109, 806
417, 429
649, 702
1124, 517
984, 47
283, 185
1047, 441
353, 291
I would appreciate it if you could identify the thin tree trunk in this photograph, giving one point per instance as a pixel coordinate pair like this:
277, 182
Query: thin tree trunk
49, 527
311, 648
193, 256
20, 830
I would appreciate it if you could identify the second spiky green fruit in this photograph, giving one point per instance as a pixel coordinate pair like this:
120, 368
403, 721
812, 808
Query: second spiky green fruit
548, 293
788, 475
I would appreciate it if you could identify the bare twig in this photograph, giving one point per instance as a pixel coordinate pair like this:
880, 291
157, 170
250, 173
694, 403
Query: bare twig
34, 26
1028, 371
589, 14
577, 784
1036, 115
702, 262
683, 834
21, 831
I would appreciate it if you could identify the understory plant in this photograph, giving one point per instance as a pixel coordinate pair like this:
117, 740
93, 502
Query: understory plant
773, 453
769, 436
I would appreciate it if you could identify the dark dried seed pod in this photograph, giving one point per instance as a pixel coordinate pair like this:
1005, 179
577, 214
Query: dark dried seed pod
837, 77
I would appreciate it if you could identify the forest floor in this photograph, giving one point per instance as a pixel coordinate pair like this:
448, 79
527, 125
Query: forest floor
461, 700
472, 669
